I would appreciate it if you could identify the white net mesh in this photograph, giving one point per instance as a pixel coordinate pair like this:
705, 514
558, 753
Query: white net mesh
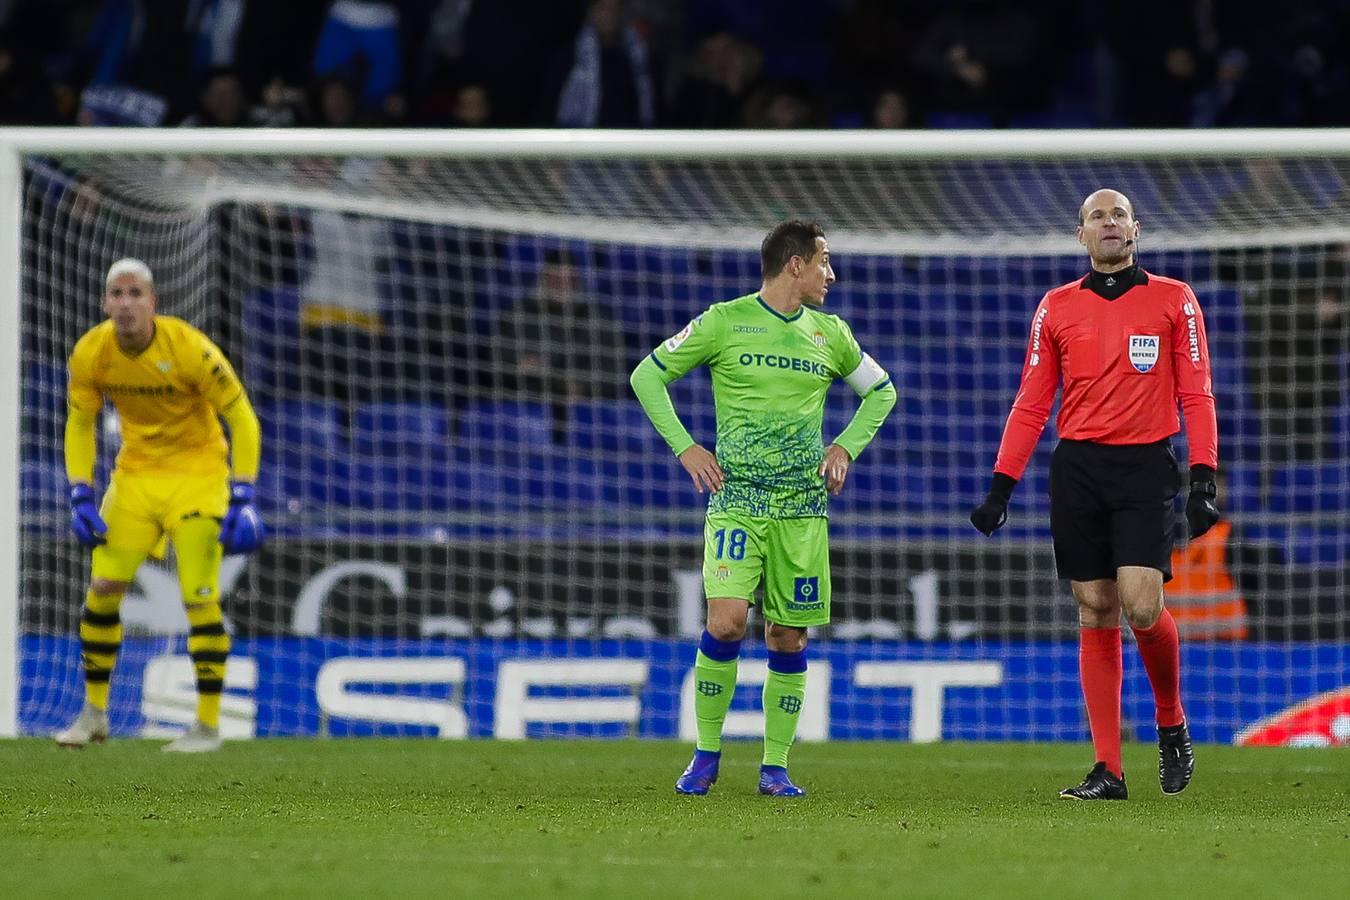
475, 530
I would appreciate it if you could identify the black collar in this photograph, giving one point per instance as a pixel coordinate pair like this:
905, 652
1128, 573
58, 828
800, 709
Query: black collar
1111, 285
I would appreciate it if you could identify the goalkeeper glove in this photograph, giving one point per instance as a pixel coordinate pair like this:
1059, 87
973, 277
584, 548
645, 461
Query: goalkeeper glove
1202, 510
993, 512
88, 525
241, 531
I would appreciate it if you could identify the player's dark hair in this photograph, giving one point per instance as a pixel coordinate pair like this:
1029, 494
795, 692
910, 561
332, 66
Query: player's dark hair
788, 239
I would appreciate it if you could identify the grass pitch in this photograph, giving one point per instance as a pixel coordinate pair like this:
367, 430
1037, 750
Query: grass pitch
373, 818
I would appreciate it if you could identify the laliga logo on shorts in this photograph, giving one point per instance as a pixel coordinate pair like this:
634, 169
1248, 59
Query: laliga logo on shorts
806, 594
1144, 351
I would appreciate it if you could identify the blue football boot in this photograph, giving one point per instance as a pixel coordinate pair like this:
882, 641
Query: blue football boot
701, 774
774, 782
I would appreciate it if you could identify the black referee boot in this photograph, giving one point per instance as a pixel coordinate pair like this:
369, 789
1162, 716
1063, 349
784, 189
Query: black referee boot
1176, 759
1098, 785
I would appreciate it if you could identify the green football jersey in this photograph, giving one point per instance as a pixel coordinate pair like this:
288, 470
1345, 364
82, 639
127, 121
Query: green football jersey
770, 375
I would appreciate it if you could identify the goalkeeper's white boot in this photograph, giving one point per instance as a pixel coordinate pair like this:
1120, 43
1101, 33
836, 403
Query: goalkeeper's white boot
90, 725
198, 739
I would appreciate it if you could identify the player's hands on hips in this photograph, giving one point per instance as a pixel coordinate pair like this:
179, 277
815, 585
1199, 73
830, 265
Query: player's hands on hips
703, 468
88, 525
990, 515
241, 531
835, 468
1202, 508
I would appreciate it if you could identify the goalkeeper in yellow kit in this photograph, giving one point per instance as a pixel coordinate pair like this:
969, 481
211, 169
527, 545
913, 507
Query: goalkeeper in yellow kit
175, 479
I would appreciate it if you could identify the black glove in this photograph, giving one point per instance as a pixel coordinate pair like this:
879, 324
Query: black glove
993, 512
1202, 510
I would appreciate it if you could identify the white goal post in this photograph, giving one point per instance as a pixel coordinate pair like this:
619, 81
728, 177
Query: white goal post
931, 195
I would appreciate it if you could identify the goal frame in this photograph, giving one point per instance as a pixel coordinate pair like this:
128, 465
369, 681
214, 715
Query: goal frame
16, 143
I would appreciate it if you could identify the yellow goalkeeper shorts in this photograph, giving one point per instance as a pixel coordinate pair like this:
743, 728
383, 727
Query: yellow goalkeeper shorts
143, 511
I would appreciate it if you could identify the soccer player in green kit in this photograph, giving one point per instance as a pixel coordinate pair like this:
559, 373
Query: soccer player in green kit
773, 356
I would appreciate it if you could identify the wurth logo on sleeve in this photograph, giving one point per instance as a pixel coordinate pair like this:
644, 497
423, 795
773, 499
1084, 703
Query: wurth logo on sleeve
1192, 331
1035, 358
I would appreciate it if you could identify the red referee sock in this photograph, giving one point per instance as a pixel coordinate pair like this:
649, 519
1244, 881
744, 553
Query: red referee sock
1161, 651
1099, 667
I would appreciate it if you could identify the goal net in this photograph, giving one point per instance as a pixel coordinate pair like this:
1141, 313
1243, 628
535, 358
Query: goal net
474, 531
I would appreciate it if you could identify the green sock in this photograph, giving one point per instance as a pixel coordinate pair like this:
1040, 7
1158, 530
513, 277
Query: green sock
714, 683
782, 708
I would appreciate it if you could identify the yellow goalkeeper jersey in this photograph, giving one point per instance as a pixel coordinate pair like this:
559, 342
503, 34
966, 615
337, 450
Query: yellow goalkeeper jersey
168, 397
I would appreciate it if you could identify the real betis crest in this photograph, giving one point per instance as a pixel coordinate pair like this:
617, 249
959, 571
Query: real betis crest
818, 339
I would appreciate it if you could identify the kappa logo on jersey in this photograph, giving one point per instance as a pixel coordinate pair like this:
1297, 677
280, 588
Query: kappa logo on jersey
1144, 351
673, 343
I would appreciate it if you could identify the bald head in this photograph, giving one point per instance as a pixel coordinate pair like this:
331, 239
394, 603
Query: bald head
1105, 198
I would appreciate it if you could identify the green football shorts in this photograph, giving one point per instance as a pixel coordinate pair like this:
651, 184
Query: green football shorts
791, 556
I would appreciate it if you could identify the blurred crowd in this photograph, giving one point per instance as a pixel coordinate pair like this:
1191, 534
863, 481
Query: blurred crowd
675, 63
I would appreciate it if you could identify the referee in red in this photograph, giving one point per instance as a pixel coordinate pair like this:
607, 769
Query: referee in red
1128, 346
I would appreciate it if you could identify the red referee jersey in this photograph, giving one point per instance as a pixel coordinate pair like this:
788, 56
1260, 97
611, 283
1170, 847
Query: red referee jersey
1125, 364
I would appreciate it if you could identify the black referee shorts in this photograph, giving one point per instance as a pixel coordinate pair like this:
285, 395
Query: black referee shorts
1112, 506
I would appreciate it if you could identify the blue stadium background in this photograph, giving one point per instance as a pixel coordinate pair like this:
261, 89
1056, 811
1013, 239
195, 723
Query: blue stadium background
951, 331
419, 463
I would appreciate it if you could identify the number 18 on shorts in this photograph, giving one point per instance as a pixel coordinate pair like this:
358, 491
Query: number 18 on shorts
790, 556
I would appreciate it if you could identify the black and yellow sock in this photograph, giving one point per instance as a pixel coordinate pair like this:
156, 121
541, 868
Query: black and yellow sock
100, 639
209, 646
196, 543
